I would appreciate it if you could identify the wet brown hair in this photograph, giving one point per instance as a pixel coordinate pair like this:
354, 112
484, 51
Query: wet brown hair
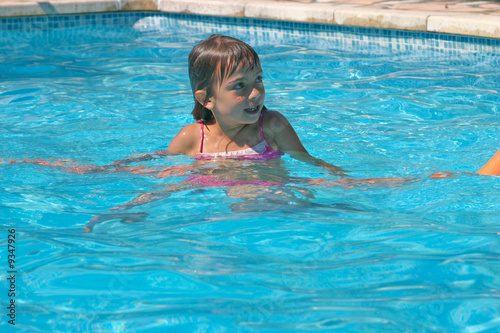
212, 60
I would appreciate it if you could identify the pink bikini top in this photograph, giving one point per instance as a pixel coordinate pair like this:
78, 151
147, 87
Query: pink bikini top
261, 151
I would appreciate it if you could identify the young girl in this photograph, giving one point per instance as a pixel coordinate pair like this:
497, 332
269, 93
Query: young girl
232, 122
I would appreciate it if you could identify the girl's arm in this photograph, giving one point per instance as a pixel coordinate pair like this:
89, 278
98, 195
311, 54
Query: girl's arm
141, 158
491, 168
282, 133
306, 157
187, 141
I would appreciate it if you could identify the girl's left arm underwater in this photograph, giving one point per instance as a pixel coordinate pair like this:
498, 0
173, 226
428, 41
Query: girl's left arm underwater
287, 140
279, 130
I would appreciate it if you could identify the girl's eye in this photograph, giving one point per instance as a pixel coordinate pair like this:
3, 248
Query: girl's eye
241, 85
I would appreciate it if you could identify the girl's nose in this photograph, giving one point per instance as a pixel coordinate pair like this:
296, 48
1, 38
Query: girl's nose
255, 93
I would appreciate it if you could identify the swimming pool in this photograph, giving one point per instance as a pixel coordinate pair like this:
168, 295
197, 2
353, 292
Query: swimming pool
304, 257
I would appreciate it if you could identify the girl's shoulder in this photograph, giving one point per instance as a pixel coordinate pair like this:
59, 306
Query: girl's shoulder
274, 122
187, 141
279, 133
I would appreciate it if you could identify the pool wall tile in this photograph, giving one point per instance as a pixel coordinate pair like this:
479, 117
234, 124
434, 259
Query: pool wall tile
331, 35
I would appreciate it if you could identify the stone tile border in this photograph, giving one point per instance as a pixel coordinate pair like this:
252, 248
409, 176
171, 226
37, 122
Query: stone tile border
350, 13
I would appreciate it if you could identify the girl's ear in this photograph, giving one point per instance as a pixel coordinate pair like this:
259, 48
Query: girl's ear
201, 97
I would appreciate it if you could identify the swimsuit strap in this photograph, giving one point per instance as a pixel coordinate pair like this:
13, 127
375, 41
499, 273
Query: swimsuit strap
201, 135
260, 125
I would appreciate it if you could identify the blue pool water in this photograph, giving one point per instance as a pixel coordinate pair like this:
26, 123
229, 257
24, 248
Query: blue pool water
301, 257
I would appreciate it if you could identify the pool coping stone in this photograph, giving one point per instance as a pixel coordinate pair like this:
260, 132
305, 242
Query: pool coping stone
350, 13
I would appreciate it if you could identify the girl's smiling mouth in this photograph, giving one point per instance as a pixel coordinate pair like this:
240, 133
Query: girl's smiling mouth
253, 110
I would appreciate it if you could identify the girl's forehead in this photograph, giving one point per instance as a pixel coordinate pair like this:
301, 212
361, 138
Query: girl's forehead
243, 70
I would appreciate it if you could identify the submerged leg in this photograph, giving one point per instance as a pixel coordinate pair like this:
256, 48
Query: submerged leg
132, 217
143, 199
125, 218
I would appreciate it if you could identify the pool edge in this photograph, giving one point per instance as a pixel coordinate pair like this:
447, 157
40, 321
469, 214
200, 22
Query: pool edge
468, 24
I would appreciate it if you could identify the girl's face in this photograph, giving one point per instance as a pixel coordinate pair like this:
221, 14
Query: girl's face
240, 97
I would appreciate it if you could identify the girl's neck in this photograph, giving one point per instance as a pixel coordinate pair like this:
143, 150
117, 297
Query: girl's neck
235, 133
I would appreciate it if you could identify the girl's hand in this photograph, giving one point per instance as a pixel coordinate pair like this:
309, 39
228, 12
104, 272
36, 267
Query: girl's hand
442, 174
